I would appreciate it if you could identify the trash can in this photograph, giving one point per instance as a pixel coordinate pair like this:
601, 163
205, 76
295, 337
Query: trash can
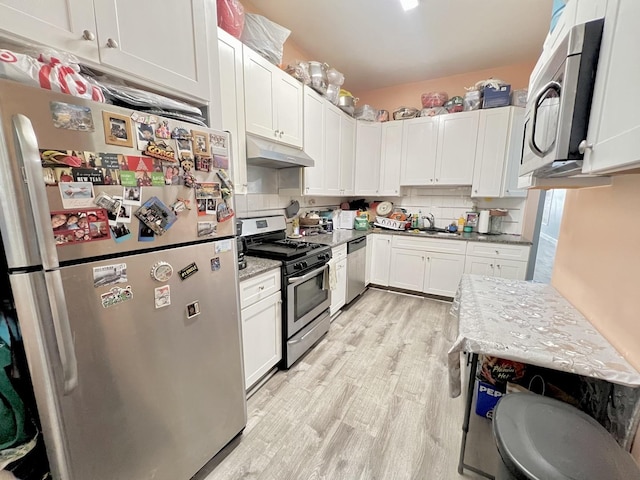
541, 438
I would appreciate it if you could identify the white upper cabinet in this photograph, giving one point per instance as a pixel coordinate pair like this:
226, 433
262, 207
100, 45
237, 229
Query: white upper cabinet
500, 137
67, 25
614, 123
314, 142
419, 142
111, 33
457, 135
232, 103
273, 101
289, 109
439, 150
332, 151
347, 154
391, 156
177, 58
368, 138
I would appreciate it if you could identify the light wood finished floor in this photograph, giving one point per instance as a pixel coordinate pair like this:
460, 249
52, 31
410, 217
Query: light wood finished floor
369, 402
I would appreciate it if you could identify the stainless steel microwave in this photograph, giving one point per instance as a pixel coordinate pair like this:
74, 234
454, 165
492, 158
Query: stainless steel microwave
557, 115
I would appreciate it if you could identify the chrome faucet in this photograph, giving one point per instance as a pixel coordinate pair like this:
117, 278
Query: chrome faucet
432, 221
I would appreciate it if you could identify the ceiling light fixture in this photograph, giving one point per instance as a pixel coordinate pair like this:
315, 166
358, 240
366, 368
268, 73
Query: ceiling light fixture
408, 4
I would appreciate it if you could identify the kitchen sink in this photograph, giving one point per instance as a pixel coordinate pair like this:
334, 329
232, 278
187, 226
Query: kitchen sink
438, 232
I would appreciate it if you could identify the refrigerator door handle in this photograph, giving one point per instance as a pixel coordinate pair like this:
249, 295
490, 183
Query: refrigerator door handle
27, 148
62, 328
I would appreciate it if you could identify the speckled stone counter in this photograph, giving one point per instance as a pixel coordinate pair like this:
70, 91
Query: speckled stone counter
338, 237
256, 266
469, 237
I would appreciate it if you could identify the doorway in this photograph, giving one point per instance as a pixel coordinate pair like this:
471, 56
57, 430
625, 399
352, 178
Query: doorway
547, 238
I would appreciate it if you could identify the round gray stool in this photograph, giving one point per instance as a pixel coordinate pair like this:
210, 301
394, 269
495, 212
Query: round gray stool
540, 438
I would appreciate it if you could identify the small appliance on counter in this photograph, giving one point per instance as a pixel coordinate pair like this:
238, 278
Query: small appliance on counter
496, 216
241, 243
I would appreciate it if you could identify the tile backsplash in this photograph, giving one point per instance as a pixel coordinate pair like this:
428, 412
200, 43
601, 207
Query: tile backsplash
446, 204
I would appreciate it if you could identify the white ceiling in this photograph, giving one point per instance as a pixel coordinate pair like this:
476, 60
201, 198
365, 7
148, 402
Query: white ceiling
376, 44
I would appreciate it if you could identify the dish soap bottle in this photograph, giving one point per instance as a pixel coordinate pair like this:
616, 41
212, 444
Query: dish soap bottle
460, 224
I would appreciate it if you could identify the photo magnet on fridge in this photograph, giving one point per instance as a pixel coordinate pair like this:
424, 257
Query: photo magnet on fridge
200, 143
145, 234
207, 229
109, 275
215, 264
76, 194
163, 131
71, 117
144, 135
162, 296
132, 195
117, 129
156, 215
193, 309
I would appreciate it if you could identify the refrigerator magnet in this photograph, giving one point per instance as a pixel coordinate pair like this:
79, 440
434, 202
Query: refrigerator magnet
193, 309
222, 246
156, 215
207, 229
179, 133
188, 271
162, 296
109, 275
117, 129
161, 271
163, 130
142, 118
203, 164
224, 211
200, 143
145, 234
131, 195
71, 117
160, 150
144, 135
120, 232
215, 264
76, 194
116, 296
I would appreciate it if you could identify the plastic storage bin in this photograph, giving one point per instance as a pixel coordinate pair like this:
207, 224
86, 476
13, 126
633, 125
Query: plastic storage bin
499, 97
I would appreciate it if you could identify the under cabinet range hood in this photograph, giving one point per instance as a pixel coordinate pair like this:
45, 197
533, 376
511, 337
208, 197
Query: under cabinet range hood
264, 153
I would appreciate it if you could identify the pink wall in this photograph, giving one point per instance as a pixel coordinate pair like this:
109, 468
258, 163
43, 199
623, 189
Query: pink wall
408, 94
597, 266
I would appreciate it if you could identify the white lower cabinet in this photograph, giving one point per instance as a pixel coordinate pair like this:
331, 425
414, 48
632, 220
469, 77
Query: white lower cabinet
407, 269
339, 292
261, 326
380, 258
443, 273
511, 269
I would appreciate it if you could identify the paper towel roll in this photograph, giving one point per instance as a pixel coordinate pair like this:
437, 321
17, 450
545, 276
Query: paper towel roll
483, 221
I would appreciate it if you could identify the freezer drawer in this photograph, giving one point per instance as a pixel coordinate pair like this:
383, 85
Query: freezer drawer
160, 385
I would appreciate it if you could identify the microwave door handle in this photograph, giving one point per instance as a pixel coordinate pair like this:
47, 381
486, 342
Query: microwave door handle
306, 277
27, 149
531, 140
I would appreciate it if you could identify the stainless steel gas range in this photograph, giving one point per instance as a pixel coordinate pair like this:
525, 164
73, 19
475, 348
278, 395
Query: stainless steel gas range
305, 291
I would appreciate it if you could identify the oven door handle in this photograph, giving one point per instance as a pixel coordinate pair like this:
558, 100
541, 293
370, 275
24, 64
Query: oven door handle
306, 277
541, 93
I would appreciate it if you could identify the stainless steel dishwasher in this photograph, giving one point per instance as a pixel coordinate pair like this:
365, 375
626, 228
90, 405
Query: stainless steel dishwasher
356, 259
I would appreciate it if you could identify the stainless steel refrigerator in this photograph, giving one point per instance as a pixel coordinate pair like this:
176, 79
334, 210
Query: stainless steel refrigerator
132, 333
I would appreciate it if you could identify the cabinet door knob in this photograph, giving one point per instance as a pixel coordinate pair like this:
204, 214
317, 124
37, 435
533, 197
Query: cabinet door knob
475, 191
111, 43
261, 287
499, 267
275, 134
491, 265
431, 180
436, 179
281, 133
497, 252
88, 35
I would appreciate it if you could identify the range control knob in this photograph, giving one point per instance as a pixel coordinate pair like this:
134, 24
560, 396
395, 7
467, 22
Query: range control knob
298, 266
304, 265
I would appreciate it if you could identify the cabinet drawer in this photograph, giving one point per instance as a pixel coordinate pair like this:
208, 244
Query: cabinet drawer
429, 244
255, 289
339, 252
499, 251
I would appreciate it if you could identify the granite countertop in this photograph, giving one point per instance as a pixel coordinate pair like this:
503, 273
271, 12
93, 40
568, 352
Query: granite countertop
256, 266
338, 237
470, 237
